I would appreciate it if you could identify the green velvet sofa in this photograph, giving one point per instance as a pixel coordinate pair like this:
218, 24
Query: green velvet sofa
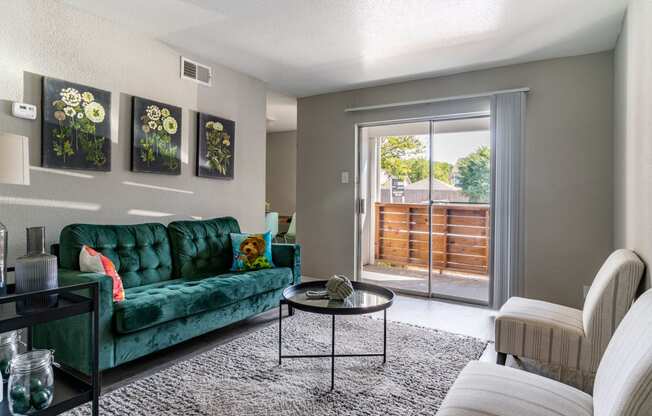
177, 286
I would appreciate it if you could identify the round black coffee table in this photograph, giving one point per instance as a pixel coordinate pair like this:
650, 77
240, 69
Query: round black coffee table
367, 298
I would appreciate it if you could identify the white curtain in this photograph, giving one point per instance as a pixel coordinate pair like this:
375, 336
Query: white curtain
507, 135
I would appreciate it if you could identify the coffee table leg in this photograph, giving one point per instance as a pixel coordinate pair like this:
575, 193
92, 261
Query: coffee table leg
280, 330
333, 356
385, 336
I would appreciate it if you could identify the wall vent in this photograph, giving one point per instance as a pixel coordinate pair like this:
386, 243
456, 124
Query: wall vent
194, 71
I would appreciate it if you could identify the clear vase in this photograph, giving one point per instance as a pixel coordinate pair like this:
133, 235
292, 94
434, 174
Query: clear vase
36, 271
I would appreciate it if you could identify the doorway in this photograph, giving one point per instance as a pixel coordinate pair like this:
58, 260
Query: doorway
424, 207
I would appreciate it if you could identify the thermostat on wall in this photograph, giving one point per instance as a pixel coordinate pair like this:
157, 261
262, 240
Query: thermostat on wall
23, 110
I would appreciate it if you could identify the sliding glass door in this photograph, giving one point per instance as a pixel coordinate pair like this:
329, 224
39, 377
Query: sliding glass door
423, 197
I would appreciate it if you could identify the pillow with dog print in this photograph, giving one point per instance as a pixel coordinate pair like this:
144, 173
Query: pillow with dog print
251, 251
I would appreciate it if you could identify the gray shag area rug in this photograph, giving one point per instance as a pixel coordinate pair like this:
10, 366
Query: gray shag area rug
242, 377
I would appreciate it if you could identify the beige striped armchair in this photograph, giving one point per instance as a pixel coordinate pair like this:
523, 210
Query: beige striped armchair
623, 382
568, 337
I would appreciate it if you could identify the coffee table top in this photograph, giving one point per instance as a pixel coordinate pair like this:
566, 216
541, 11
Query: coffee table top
366, 298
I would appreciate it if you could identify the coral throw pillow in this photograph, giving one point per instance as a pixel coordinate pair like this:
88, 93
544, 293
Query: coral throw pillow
92, 261
251, 251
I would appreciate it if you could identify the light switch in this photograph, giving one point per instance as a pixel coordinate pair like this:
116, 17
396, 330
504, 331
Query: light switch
345, 177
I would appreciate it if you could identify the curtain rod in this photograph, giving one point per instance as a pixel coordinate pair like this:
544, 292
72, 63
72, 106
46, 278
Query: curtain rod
433, 100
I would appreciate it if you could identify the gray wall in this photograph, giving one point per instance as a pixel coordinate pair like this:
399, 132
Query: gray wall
281, 181
48, 38
633, 132
568, 166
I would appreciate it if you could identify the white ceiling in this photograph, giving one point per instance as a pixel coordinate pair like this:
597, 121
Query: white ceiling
307, 47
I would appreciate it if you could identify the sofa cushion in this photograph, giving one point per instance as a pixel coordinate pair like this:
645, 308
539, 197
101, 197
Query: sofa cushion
150, 305
251, 251
202, 248
140, 253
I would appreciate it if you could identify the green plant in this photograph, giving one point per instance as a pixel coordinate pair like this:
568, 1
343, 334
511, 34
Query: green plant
395, 153
168, 152
92, 146
147, 150
407, 157
474, 174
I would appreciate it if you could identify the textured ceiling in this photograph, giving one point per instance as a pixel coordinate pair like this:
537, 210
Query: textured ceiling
306, 47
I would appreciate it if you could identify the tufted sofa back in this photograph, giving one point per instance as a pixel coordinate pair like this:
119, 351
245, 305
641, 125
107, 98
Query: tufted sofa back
141, 253
202, 248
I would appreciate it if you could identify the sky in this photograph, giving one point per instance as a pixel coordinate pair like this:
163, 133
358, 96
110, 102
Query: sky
449, 147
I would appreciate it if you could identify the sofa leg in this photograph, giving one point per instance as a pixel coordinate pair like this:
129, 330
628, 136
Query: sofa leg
502, 358
290, 311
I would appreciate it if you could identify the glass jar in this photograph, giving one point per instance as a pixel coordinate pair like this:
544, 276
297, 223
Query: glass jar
8, 350
31, 382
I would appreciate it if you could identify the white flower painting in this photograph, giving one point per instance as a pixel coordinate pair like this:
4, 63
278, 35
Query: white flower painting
156, 137
76, 126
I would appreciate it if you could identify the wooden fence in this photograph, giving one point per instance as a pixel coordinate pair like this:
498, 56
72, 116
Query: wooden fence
460, 236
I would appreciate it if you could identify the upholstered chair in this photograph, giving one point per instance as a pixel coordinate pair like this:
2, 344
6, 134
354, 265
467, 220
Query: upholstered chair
568, 337
623, 382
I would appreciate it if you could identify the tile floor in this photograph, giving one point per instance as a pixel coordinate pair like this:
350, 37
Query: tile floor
457, 285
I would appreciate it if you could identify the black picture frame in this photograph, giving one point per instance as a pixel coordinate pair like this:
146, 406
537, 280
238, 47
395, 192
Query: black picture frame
76, 126
155, 137
215, 147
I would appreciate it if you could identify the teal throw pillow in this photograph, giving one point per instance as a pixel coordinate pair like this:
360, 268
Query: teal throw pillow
251, 251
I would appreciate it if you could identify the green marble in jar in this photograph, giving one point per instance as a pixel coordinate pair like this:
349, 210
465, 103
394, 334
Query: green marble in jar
40, 399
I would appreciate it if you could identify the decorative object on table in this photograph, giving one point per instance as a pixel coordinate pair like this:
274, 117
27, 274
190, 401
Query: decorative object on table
92, 261
14, 170
8, 350
339, 287
156, 137
251, 251
215, 147
36, 271
317, 294
31, 382
76, 126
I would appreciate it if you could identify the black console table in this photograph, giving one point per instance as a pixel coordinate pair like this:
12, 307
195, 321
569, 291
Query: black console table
71, 389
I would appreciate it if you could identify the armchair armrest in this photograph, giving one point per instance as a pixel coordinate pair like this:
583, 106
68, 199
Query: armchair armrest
288, 255
70, 337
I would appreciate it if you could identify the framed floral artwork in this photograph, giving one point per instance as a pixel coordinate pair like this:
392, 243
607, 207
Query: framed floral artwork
76, 130
215, 147
156, 137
